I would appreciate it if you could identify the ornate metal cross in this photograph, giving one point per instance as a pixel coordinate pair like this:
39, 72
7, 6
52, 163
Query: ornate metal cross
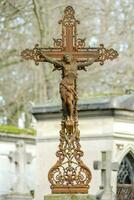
69, 174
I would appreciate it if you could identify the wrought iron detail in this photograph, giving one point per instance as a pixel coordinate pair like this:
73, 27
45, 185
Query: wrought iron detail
105, 54
58, 43
69, 174
69, 17
71, 43
33, 54
80, 43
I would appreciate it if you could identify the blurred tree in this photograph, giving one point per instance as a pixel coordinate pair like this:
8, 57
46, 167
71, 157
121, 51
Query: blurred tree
25, 23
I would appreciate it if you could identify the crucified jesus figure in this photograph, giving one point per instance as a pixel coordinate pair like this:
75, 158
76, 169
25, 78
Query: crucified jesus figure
69, 67
69, 174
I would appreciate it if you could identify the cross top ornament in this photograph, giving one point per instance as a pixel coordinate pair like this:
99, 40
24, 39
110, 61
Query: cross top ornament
70, 43
69, 54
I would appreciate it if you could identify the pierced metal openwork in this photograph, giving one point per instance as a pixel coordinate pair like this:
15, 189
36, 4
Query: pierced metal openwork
69, 174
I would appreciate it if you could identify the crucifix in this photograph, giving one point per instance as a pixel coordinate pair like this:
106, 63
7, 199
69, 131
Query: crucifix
69, 54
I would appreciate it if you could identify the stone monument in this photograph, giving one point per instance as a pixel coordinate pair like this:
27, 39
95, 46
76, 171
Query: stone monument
106, 166
20, 158
69, 175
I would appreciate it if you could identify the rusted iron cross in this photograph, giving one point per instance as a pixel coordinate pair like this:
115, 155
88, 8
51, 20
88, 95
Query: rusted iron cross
70, 43
69, 174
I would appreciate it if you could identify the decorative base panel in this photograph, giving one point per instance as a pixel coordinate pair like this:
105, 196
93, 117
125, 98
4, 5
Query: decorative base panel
70, 190
69, 197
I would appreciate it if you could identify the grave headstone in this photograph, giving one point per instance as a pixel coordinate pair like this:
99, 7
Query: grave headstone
106, 166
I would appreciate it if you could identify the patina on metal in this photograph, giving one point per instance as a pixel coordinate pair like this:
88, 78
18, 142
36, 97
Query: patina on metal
69, 174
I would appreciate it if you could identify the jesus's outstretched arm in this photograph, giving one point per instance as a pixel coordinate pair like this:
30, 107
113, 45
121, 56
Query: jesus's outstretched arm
57, 65
37, 55
81, 66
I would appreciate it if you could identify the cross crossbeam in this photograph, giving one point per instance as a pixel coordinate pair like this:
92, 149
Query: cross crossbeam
70, 43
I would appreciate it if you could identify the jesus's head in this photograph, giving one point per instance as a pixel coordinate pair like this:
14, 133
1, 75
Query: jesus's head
67, 57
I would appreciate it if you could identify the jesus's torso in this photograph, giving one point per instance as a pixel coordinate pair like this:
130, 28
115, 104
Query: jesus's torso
70, 70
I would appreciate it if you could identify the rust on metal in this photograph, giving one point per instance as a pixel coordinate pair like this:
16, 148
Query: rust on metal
70, 42
69, 174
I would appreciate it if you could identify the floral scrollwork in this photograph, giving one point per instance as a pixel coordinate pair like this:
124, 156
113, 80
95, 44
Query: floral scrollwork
69, 174
80, 43
32, 54
69, 17
106, 54
58, 43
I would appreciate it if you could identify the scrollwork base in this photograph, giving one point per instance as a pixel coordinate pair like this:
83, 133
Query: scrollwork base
69, 174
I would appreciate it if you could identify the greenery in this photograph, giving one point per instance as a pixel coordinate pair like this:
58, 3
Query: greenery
15, 130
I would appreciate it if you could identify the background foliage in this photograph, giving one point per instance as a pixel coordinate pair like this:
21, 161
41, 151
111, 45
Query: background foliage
25, 23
